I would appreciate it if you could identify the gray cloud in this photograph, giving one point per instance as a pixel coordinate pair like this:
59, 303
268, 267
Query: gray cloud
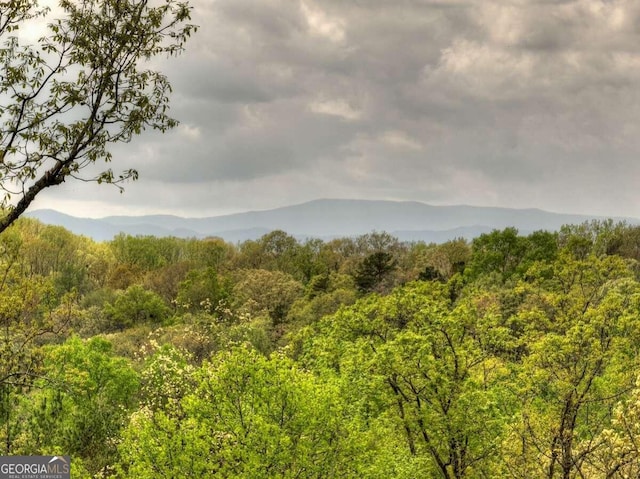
504, 102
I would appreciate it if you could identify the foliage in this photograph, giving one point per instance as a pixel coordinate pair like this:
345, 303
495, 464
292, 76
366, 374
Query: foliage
582, 340
79, 403
250, 416
263, 292
166, 378
426, 363
514, 356
136, 305
201, 290
67, 97
374, 270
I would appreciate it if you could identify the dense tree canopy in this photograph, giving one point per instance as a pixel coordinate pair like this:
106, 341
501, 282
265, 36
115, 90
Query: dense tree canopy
509, 356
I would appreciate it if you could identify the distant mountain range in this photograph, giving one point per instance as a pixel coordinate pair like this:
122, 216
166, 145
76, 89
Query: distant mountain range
329, 218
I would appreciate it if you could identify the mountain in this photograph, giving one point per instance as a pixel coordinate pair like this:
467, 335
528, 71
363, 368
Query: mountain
328, 218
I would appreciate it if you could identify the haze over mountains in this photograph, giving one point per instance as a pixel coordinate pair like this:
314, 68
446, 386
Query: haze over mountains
327, 218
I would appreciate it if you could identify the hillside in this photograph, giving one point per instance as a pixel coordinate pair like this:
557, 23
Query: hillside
327, 218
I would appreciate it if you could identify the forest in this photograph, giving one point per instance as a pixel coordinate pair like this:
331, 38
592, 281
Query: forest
509, 356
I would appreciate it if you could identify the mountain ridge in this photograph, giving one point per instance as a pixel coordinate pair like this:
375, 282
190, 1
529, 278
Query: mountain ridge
328, 218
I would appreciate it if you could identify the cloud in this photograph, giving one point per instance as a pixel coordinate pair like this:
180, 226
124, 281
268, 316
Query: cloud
400, 140
339, 108
190, 133
323, 25
506, 102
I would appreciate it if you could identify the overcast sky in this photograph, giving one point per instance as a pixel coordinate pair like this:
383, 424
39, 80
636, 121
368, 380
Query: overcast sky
516, 103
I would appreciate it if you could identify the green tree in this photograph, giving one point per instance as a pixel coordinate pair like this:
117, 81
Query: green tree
275, 251
630, 243
210, 252
599, 237
414, 357
26, 320
617, 448
309, 261
65, 98
374, 271
339, 255
147, 252
249, 417
98, 259
325, 295
504, 254
166, 280
438, 262
580, 330
134, 306
267, 293
541, 246
79, 404
201, 290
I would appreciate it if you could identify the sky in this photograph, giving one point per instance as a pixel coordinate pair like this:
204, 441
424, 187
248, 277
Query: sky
513, 103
